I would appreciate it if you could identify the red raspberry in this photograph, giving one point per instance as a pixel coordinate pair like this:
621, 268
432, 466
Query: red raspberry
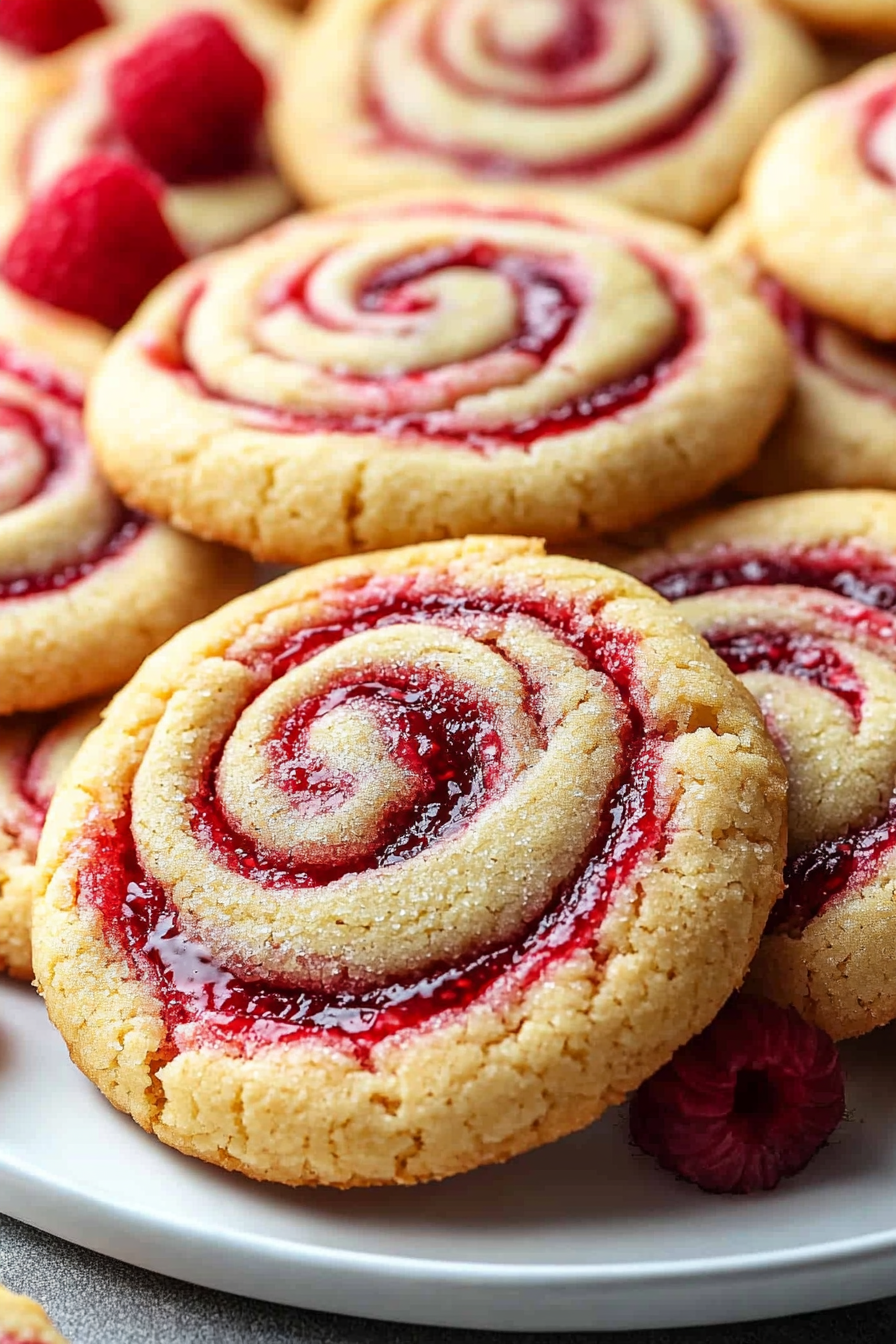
189, 100
746, 1103
41, 26
95, 243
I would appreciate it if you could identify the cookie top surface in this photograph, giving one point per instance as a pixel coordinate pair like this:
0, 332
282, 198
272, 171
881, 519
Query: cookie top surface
400, 845
87, 587
24, 1322
841, 421
429, 365
57, 111
656, 102
798, 596
821, 200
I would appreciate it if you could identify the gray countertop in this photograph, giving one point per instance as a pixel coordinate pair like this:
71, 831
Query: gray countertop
99, 1301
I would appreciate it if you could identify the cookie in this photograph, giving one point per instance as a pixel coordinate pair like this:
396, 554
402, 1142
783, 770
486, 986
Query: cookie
87, 586
24, 1322
658, 103
115, 92
840, 426
430, 366
798, 596
407, 864
35, 750
821, 201
857, 18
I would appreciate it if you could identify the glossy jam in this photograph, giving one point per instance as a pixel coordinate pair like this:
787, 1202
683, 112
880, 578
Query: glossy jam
829, 871
548, 306
669, 132
206, 1004
801, 656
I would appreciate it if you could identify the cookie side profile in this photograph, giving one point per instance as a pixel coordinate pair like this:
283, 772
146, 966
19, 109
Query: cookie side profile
656, 104
406, 864
429, 366
820, 199
852, 18
797, 595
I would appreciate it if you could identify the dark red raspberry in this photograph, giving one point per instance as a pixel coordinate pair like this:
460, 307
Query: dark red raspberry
746, 1103
189, 100
41, 26
95, 243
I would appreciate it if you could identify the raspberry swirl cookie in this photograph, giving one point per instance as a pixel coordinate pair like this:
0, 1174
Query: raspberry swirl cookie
325, 861
799, 597
840, 427
821, 201
658, 103
185, 100
429, 366
34, 752
87, 587
24, 1322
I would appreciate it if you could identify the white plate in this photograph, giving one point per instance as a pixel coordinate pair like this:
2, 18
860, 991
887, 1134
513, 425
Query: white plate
583, 1235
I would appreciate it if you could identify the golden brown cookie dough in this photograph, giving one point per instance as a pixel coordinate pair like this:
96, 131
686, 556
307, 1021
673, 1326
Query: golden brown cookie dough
798, 596
858, 18
24, 1322
840, 426
429, 366
658, 103
423, 859
87, 587
820, 199
54, 112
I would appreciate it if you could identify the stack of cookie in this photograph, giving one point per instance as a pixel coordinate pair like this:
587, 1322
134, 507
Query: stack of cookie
418, 858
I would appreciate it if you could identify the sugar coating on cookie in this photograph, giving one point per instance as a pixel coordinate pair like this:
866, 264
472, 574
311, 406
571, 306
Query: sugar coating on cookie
22, 1321
798, 596
840, 424
658, 103
87, 586
56, 112
852, 18
820, 199
406, 864
35, 751
431, 365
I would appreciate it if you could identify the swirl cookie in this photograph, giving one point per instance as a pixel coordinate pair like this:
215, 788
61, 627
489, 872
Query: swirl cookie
185, 100
840, 426
34, 752
658, 103
87, 587
821, 201
859, 18
798, 596
24, 1322
427, 366
326, 860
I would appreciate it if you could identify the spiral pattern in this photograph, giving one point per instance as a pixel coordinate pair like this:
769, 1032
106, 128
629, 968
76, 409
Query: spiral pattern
350, 835
806, 618
59, 111
35, 751
653, 101
543, 364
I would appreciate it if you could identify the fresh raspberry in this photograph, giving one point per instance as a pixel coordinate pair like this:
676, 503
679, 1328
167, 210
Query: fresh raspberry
189, 100
746, 1103
95, 243
41, 26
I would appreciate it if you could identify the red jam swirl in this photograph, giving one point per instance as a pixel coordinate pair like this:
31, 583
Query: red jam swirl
877, 108
205, 1003
581, 41
833, 869
548, 305
53, 424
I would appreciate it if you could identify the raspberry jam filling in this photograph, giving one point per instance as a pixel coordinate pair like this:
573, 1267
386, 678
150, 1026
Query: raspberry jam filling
807, 332
556, 61
205, 1003
52, 432
24, 821
548, 306
874, 141
832, 869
